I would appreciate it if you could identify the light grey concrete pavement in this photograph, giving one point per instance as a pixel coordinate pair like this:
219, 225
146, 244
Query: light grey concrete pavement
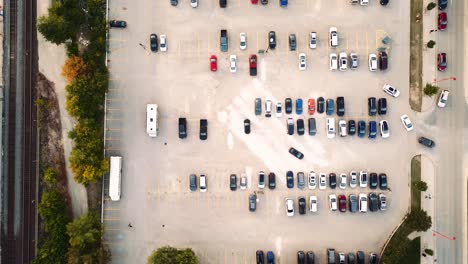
449, 129
51, 60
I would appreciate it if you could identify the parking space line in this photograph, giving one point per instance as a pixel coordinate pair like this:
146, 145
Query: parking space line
357, 42
367, 46
245, 256
113, 119
225, 255
112, 229
347, 42
110, 149
178, 49
257, 41
112, 209
287, 41
111, 219
198, 47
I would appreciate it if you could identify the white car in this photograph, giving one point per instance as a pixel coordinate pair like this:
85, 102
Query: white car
313, 203
289, 207
364, 2
268, 106
243, 41
443, 98
382, 202
406, 122
333, 62
330, 127
313, 40
354, 61
363, 179
312, 180
391, 90
333, 202
302, 62
384, 129
372, 62
279, 109
362, 203
353, 179
243, 182
343, 61
342, 128
343, 179
333, 37
233, 66
261, 179
194, 3
163, 43
323, 181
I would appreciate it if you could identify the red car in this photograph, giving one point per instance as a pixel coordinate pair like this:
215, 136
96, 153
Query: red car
213, 63
443, 21
442, 61
254, 2
253, 65
342, 203
311, 106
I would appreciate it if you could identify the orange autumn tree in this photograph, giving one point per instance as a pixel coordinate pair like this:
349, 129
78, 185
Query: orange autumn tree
74, 66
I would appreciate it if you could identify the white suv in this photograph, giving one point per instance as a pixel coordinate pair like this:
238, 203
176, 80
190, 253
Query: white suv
363, 179
289, 207
330, 127
343, 61
333, 202
323, 181
342, 127
333, 37
312, 180
362, 203
443, 98
372, 62
313, 40
343, 179
333, 62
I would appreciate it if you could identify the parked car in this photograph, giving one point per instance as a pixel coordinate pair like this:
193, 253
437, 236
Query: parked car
271, 181
292, 42
299, 106
311, 106
302, 62
333, 37
313, 40
351, 127
261, 180
363, 179
332, 202
373, 258
351, 257
391, 90
253, 203
383, 60
310, 257
331, 127
300, 257
361, 128
194, 3
279, 109
332, 180
302, 205
353, 180
270, 257
242, 41
340, 106
372, 106
233, 63
246, 126
443, 98
331, 255
174, 2
406, 122
290, 179
384, 129
353, 203
233, 182
426, 142
193, 182
354, 61
118, 24
313, 203
203, 129
290, 126
362, 203
342, 203
312, 180
333, 62
382, 202
288, 108
342, 128
373, 180
372, 129
343, 61
312, 126
253, 65
323, 181
163, 44
330, 106
343, 180
182, 127
360, 257
259, 256
296, 153
258, 106
383, 184
373, 202
203, 183
300, 180
268, 107
154, 42
442, 22
243, 182
213, 63
289, 207
320, 105
442, 4
272, 39
442, 61
382, 106
300, 127
372, 62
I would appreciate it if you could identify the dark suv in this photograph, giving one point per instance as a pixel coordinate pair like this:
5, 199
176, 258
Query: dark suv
288, 107
332, 180
292, 42
373, 202
371, 103
222, 3
340, 106
271, 181
320, 105
203, 129
382, 106
383, 60
300, 127
118, 23
182, 127
373, 180
272, 40
233, 182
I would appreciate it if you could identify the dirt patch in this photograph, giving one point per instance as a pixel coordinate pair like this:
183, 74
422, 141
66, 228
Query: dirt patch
416, 39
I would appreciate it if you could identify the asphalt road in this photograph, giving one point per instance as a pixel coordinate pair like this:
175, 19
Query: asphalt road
448, 127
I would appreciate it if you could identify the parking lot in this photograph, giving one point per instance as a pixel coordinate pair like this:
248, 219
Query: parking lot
217, 224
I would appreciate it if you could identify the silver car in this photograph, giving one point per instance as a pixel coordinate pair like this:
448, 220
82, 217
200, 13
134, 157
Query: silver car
312, 180
382, 202
353, 179
353, 57
300, 180
323, 181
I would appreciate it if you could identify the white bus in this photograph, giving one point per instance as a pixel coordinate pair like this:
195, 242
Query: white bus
115, 178
152, 120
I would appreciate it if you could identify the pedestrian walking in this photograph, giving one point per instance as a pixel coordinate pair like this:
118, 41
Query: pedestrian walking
130, 225
143, 46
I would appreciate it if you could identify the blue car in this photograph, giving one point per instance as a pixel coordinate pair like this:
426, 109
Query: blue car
270, 258
361, 129
290, 179
372, 129
299, 106
330, 107
283, 3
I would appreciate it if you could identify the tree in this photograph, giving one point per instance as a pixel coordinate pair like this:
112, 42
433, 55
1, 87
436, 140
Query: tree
50, 178
431, 6
430, 89
74, 67
53, 27
430, 44
170, 255
420, 186
419, 220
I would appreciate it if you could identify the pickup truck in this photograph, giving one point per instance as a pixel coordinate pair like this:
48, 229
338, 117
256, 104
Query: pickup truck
253, 65
223, 40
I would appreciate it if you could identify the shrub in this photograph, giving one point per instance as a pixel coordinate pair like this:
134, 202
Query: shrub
74, 67
170, 255
50, 178
430, 252
431, 6
430, 44
430, 89
420, 186
419, 220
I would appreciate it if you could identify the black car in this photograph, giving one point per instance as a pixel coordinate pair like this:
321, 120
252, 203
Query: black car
302, 205
426, 142
373, 180
247, 126
443, 4
300, 127
373, 258
222, 3
290, 179
264, 2
383, 60
288, 106
310, 257
290, 126
292, 42
182, 127
271, 181
154, 42
351, 127
272, 40
260, 257
253, 207
332, 180
296, 153
384, 2
360, 257
340, 106
351, 258
300, 257
383, 184
320, 105
203, 129
118, 23
372, 107
233, 182
373, 202
382, 106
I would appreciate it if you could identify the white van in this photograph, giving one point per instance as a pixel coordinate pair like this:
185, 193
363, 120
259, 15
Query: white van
115, 177
333, 37
268, 107
362, 203
330, 127
203, 183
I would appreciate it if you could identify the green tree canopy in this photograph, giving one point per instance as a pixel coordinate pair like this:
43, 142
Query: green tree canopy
170, 255
420, 186
419, 220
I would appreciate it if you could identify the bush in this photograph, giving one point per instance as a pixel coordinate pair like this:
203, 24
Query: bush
430, 44
419, 220
431, 6
430, 252
74, 67
420, 186
50, 178
72, 48
170, 255
430, 89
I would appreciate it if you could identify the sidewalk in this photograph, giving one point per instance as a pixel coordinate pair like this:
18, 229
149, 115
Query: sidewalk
427, 203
